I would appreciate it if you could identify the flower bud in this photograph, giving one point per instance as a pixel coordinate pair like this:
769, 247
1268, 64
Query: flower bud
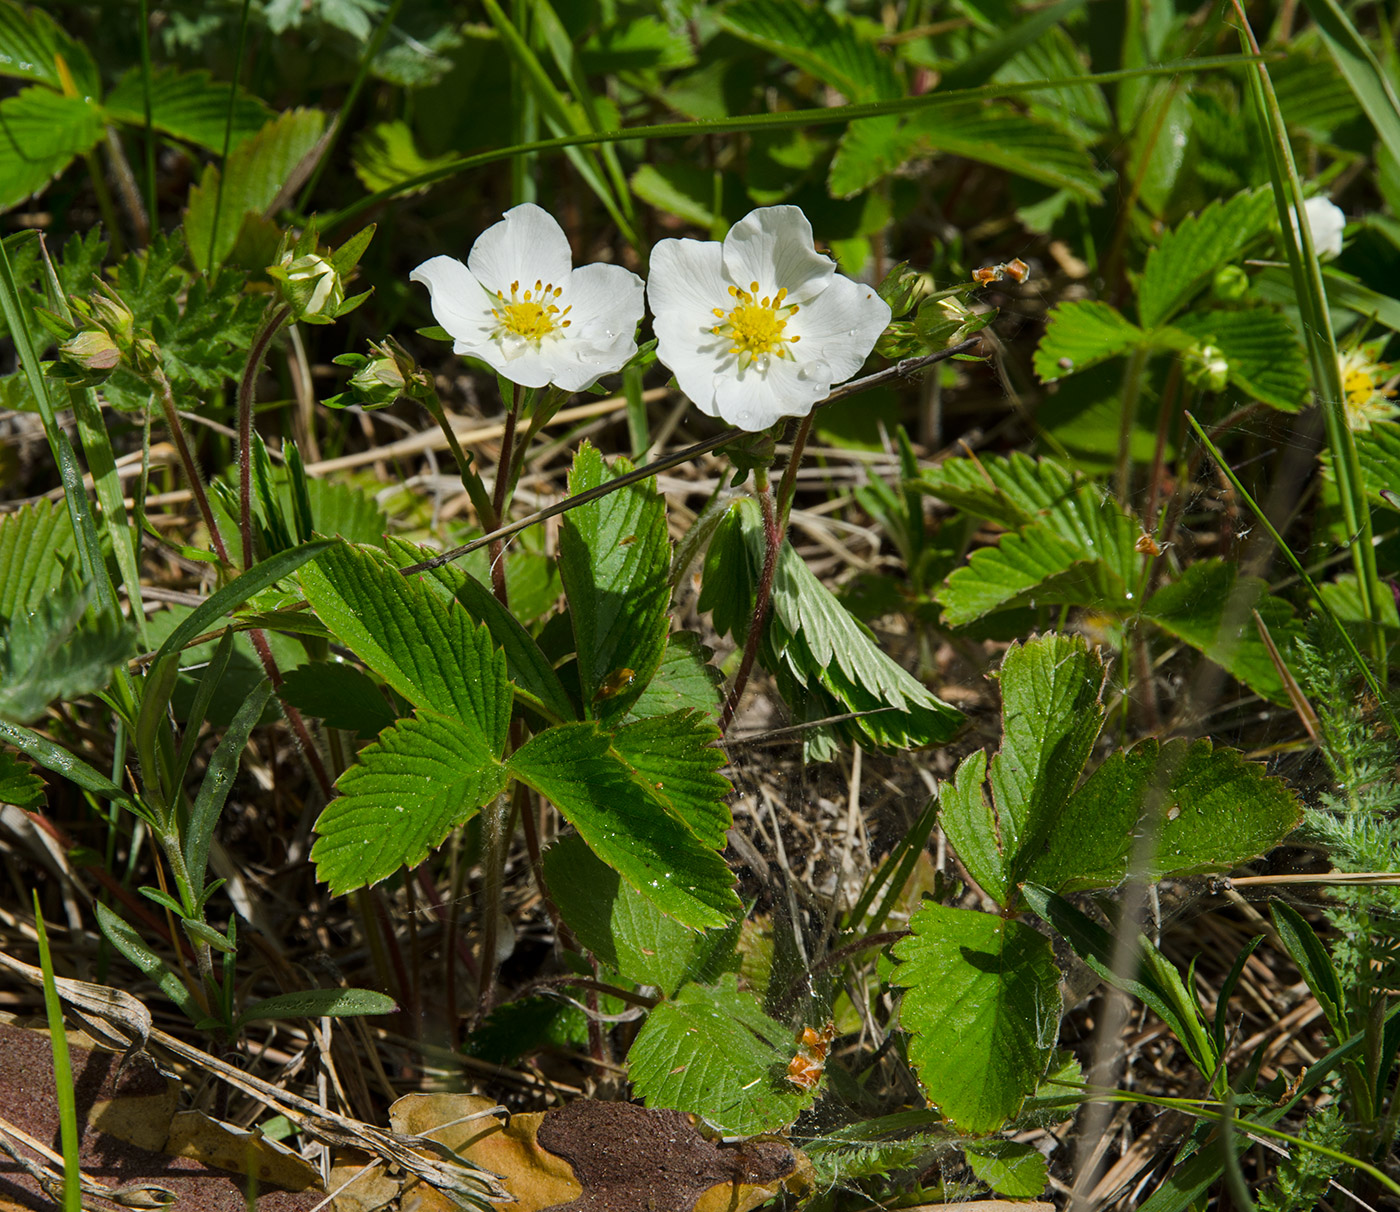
1207, 367
92, 354
1230, 284
112, 314
310, 286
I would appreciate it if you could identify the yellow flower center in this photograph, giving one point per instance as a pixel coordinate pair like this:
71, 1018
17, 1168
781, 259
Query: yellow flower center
755, 326
534, 316
1358, 385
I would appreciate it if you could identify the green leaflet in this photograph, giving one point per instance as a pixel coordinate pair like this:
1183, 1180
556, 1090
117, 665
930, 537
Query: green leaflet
614, 556
625, 825
31, 44
385, 155
815, 645
340, 695
816, 42
1000, 135
713, 1052
56, 649
1212, 608
253, 175
676, 756
431, 652
1037, 568
684, 681
40, 133
18, 782
189, 106
1082, 334
36, 549
625, 930
1011, 1168
982, 1002
528, 666
1189, 255
405, 793
1208, 808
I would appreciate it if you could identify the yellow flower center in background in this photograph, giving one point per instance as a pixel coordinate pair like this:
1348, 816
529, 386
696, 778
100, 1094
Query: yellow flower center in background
755, 326
1358, 385
534, 316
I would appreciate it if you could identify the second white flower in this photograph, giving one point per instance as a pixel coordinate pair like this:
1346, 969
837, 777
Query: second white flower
762, 326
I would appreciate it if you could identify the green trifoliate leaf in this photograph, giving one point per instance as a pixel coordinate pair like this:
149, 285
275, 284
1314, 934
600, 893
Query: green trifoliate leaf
405, 793
430, 651
385, 155
1191, 253
713, 1052
982, 1002
624, 929
1378, 452
625, 825
1082, 334
614, 556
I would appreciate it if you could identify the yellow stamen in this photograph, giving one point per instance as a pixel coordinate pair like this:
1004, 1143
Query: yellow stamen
755, 326
533, 315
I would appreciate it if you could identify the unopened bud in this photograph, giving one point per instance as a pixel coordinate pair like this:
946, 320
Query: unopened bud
1207, 367
1230, 284
93, 354
113, 314
311, 287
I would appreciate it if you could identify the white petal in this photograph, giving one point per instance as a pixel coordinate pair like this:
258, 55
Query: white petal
458, 301
840, 326
773, 247
527, 245
605, 300
687, 282
1326, 221
754, 400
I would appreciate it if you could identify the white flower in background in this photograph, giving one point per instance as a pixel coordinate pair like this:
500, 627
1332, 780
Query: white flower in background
1367, 395
1325, 221
520, 306
761, 326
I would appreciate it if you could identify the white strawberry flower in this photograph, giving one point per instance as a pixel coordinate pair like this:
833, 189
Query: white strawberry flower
520, 306
762, 326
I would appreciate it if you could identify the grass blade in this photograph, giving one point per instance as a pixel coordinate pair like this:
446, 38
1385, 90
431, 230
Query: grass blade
1317, 335
1369, 84
834, 115
228, 134
62, 1073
